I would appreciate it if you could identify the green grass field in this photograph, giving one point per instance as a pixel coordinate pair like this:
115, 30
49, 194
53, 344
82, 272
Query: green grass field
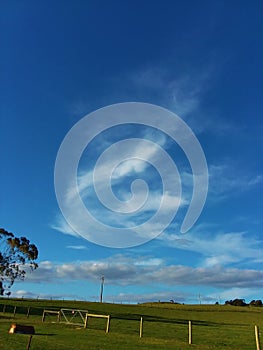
165, 326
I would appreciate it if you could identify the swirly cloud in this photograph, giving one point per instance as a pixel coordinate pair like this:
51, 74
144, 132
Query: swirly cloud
124, 158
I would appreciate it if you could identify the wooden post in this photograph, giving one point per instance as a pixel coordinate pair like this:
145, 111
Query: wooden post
4, 307
86, 321
29, 342
108, 325
14, 311
141, 327
190, 332
28, 312
43, 316
257, 337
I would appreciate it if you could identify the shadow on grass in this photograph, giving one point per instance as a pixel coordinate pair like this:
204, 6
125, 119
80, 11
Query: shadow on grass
160, 319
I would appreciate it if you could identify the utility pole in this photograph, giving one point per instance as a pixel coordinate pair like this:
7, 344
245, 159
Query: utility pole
101, 288
200, 300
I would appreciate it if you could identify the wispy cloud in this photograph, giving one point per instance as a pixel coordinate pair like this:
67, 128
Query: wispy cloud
225, 180
217, 248
180, 93
61, 225
131, 197
77, 247
184, 94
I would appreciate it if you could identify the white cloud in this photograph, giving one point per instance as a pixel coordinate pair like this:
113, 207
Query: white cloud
129, 159
62, 226
149, 262
77, 247
233, 293
165, 295
128, 167
162, 296
124, 270
217, 248
136, 201
27, 294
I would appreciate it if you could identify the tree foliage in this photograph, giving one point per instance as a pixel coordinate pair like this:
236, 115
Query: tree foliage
17, 255
256, 303
241, 302
236, 302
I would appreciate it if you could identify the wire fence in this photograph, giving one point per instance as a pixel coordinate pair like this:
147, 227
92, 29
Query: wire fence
191, 331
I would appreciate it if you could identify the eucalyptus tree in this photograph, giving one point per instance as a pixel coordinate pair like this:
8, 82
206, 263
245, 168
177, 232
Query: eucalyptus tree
17, 257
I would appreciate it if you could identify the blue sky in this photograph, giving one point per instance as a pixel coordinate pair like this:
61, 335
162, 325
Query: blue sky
201, 60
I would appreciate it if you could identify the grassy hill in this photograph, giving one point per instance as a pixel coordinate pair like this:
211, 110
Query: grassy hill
165, 326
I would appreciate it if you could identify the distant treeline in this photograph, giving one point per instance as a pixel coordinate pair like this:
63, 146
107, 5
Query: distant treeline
241, 302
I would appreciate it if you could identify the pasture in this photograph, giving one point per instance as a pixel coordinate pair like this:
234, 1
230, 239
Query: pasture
165, 326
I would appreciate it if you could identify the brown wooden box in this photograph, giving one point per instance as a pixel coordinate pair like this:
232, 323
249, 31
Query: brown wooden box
21, 329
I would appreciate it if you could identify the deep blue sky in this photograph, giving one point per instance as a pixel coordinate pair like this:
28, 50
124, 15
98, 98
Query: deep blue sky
202, 60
